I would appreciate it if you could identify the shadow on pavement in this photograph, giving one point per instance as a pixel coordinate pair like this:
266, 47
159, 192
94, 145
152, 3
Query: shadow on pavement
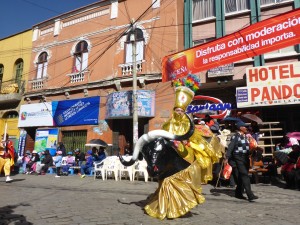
7, 216
14, 180
218, 192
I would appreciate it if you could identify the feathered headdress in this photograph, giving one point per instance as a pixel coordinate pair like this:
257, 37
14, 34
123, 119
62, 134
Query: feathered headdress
191, 81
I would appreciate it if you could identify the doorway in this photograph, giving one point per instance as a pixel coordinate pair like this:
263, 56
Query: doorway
123, 132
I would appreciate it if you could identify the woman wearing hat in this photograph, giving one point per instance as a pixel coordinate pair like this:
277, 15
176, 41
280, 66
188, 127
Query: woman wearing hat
58, 162
33, 160
25, 160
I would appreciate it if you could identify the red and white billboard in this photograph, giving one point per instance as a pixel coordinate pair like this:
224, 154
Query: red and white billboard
262, 37
270, 85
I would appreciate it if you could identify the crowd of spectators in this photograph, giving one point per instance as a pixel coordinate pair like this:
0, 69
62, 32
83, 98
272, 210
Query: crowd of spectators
38, 163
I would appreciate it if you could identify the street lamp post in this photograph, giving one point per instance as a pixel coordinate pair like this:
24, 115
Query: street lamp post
134, 91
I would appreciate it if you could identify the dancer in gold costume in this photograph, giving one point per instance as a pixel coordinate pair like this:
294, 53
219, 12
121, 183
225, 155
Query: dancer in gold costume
180, 192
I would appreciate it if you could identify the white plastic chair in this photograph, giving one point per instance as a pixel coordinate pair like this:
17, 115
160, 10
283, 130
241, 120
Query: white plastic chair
111, 167
140, 169
99, 169
126, 171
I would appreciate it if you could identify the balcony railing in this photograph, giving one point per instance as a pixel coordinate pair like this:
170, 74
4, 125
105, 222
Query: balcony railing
127, 68
12, 86
78, 76
38, 83
11, 91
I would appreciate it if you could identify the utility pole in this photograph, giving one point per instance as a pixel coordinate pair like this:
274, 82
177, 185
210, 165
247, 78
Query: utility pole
134, 86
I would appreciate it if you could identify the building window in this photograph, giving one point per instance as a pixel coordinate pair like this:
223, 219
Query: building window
203, 41
42, 65
139, 40
19, 70
287, 50
80, 57
232, 6
203, 9
268, 2
1, 75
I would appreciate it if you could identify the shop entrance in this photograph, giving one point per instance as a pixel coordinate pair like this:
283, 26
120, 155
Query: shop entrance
74, 139
123, 132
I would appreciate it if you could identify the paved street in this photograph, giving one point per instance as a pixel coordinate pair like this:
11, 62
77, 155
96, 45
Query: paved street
45, 199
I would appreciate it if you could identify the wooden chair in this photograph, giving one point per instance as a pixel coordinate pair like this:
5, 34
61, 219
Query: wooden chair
257, 168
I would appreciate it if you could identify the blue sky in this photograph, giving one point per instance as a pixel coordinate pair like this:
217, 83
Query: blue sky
19, 15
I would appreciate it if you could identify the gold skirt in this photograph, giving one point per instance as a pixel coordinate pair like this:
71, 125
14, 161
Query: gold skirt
177, 194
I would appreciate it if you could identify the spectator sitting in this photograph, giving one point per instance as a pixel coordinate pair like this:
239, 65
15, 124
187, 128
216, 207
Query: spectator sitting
32, 162
288, 169
47, 161
61, 147
58, 162
40, 164
101, 154
79, 157
127, 149
25, 160
88, 165
69, 162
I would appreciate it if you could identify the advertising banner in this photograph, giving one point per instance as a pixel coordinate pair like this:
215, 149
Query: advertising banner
46, 139
84, 111
266, 36
35, 115
22, 142
270, 85
119, 104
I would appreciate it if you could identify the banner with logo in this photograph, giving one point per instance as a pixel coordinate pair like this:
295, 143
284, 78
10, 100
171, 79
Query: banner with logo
84, 111
35, 115
265, 36
270, 85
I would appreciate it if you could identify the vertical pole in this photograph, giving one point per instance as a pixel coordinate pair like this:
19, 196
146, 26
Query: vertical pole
134, 91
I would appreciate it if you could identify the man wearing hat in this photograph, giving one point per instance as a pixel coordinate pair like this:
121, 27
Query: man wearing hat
238, 157
87, 167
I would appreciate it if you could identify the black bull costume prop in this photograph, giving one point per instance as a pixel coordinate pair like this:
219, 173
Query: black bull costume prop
181, 156
159, 152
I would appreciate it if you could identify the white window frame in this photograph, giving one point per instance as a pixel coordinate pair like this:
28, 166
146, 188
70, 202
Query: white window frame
42, 68
273, 2
200, 11
237, 4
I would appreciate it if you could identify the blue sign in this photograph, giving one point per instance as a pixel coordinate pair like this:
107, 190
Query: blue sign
84, 111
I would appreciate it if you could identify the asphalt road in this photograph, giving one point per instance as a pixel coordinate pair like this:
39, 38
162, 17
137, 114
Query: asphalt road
31, 199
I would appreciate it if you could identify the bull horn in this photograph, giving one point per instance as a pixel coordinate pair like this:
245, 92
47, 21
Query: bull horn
151, 136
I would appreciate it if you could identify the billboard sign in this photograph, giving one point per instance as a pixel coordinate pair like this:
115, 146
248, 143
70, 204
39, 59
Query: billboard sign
265, 36
119, 104
270, 85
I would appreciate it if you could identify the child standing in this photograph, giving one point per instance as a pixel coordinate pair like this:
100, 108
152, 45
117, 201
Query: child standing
58, 161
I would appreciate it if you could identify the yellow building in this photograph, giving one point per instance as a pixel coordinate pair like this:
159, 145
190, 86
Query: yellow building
15, 55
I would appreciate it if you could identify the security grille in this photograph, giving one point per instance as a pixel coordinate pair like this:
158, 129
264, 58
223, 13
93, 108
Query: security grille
74, 139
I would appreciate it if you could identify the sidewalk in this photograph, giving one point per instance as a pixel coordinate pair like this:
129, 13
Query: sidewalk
46, 200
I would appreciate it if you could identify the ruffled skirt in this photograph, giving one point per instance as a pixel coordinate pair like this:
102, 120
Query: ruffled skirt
177, 194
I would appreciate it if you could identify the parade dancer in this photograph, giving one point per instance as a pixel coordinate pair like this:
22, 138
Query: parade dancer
6, 157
